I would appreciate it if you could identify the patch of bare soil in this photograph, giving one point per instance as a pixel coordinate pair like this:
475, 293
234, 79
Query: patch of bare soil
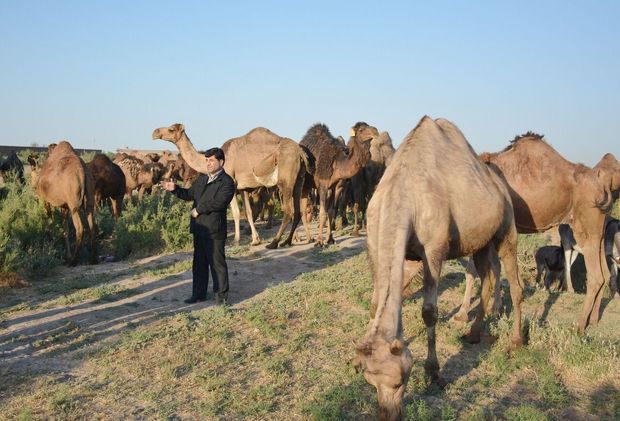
39, 336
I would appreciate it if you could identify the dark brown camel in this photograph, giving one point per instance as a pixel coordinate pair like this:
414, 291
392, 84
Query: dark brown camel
436, 201
109, 183
547, 190
64, 181
259, 158
12, 167
363, 184
332, 163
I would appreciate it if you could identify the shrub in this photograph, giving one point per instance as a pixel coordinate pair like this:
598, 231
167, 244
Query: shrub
158, 223
30, 242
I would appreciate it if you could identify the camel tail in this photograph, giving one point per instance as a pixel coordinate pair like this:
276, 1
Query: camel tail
387, 240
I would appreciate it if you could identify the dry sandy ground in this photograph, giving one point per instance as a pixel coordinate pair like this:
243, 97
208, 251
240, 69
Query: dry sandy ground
44, 339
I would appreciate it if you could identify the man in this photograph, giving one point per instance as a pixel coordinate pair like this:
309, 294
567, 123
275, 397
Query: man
211, 193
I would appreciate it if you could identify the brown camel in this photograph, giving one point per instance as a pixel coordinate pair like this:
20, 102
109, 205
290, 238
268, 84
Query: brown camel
258, 158
363, 184
138, 174
547, 190
436, 201
109, 182
332, 163
64, 181
608, 170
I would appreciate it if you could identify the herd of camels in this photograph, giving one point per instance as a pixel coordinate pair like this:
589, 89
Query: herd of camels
436, 200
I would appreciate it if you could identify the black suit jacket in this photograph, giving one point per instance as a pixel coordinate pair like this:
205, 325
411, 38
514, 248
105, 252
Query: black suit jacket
211, 202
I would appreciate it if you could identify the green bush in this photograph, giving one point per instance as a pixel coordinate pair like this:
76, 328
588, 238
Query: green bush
30, 242
158, 223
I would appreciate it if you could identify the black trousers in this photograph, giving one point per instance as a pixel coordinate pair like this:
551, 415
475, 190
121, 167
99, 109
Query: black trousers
209, 255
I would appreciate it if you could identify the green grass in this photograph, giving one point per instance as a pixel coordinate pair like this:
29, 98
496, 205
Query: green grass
285, 355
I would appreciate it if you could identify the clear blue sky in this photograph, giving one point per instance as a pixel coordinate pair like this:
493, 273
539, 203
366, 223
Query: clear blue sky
104, 74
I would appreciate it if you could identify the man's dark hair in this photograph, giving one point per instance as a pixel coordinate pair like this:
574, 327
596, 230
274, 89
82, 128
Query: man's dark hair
218, 153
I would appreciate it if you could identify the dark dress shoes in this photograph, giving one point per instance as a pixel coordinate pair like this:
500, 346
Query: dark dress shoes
193, 300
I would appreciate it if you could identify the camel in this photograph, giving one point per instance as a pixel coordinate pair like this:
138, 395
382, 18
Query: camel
64, 181
364, 182
138, 174
109, 183
332, 163
608, 170
258, 158
435, 201
547, 190
12, 168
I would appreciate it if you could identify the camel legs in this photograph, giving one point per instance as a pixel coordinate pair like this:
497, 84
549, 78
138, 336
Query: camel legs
234, 207
507, 251
594, 287
470, 276
481, 261
304, 202
287, 214
250, 218
570, 255
594, 317
296, 202
433, 259
323, 216
79, 234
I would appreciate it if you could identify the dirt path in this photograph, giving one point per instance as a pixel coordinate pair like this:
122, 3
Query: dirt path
45, 337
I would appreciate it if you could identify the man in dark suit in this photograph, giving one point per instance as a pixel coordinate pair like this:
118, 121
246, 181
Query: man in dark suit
211, 193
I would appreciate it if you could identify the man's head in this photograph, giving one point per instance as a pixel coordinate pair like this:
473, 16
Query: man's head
215, 160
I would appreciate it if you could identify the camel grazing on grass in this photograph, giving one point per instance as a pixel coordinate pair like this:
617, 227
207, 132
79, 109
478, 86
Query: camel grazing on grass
64, 181
436, 201
109, 183
547, 190
332, 163
260, 158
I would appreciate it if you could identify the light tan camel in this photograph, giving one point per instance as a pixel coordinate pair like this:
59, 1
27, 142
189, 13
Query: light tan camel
259, 158
332, 163
64, 181
436, 201
547, 190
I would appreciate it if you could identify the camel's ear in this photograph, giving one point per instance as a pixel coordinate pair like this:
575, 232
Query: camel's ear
352, 132
178, 127
51, 148
364, 348
397, 346
32, 161
357, 364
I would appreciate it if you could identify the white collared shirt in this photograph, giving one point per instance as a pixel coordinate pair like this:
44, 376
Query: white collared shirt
214, 176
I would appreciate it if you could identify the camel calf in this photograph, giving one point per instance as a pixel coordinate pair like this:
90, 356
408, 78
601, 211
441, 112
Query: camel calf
550, 261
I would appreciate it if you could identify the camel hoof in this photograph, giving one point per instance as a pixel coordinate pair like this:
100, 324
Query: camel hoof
516, 344
355, 233
271, 246
472, 337
461, 317
255, 243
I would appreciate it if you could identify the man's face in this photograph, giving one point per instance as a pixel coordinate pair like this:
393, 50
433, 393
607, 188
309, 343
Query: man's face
213, 164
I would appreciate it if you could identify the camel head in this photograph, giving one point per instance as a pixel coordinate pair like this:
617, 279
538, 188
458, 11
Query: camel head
35, 170
363, 132
171, 134
386, 366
